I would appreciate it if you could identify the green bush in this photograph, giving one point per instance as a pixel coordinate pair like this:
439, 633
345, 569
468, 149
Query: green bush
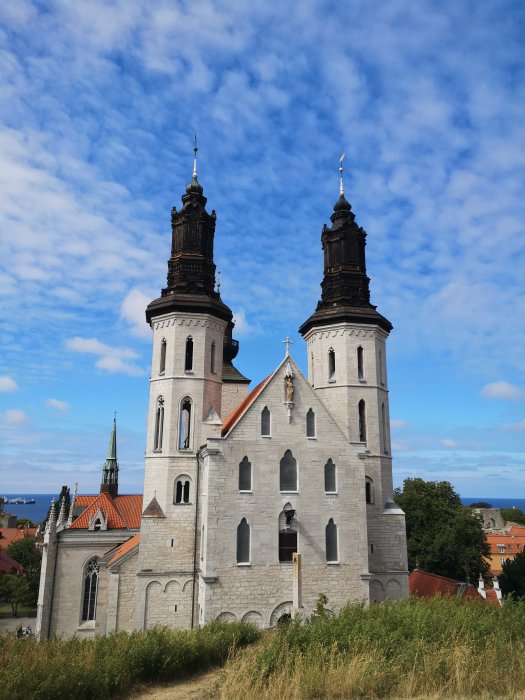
108, 666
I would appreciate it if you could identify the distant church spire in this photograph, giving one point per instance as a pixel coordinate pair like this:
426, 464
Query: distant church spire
110, 469
345, 294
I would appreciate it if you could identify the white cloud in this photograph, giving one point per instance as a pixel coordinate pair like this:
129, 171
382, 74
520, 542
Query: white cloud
503, 391
447, 442
111, 359
242, 327
133, 309
8, 384
519, 425
398, 423
59, 405
14, 416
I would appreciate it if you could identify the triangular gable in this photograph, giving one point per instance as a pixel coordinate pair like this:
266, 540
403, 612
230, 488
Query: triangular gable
105, 502
118, 554
153, 510
236, 417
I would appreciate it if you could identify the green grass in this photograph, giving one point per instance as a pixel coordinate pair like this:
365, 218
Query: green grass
415, 648
23, 611
109, 666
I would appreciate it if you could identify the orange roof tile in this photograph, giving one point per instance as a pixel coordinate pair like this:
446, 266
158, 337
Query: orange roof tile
426, 585
122, 512
8, 565
130, 507
232, 419
119, 552
13, 534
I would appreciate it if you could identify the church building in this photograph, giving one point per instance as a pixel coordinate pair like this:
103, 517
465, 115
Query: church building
254, 503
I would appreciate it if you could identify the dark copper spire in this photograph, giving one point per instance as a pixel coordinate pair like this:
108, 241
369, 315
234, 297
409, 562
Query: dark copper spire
345, 294
191, 270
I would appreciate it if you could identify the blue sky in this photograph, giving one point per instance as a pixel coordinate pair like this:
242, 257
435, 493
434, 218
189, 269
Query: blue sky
99, 103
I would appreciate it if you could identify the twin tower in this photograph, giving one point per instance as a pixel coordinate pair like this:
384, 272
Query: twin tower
236, 484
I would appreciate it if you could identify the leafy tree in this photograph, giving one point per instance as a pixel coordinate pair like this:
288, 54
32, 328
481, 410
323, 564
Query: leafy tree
443, 536
26, 553
15, 590
512, 577
25, 522
513, 515
480, 504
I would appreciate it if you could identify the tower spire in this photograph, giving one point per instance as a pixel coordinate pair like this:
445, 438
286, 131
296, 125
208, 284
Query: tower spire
110, 469
341, 185
195, 149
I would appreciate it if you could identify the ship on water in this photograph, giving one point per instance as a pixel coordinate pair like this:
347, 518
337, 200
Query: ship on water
19, 501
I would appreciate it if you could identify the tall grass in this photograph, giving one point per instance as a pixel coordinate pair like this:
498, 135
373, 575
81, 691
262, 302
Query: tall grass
441, 648
108, 666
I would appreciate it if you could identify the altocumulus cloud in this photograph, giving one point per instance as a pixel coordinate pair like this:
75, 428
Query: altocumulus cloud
111, 359
14, 416
58, 405
8, 384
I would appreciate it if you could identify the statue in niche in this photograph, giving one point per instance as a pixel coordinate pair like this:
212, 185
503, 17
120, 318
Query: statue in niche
288, 385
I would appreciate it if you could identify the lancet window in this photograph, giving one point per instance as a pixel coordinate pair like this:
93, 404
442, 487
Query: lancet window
243, 542
185, 425
188, 355
331, 542
89, 605
159, 424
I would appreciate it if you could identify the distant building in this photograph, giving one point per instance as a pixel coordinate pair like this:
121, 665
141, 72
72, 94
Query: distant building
504, 547
423, 584
254, 504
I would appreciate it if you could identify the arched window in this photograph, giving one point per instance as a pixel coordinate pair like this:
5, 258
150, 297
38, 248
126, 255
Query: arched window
360, 365
89, 604
97, 525
212, 358
159, 424
331, 542
287, 539
331, 365
362, 421
288, 472
188, 356
310, 423
185, 425
329, 477
245, 475
265, 422
369, 490
182, 489
162, 363
381, 377
383, 429
243, 542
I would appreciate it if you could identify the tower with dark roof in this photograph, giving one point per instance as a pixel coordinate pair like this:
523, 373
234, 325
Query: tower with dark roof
346, 344
109, 482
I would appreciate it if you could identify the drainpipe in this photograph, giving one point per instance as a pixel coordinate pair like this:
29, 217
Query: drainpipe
197, 457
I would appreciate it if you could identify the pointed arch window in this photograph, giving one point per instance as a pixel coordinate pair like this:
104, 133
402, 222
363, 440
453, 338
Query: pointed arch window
310, 423
362, 421
360, 364
89, 603
265, 422
331, 365
369, 490
287, 538
159, 425
330, 485
188, 355
245, 475
332, 555
182, 489
243, 542
288, 472
162, 363
185, 425
212, 358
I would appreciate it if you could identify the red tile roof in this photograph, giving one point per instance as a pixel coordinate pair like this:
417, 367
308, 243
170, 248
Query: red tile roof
122, 512
426, 585
8, 565
119, 552
13, 534
232, 419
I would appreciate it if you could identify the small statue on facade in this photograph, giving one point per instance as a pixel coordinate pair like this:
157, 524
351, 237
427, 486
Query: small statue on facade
288, 383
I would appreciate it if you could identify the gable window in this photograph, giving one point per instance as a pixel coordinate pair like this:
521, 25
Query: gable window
188, 355
329, 477
159, 424
331, 542
310, 423
360, 364
369, 490
97, 525
265, 422
212, 358
185, 425
288, 472
162, 363
182, 490
331, 365
245, 475
89, 604
362, 421
243, 542
287, 544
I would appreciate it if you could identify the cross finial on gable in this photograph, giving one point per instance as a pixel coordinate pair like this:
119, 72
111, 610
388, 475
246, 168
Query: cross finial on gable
288, 343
